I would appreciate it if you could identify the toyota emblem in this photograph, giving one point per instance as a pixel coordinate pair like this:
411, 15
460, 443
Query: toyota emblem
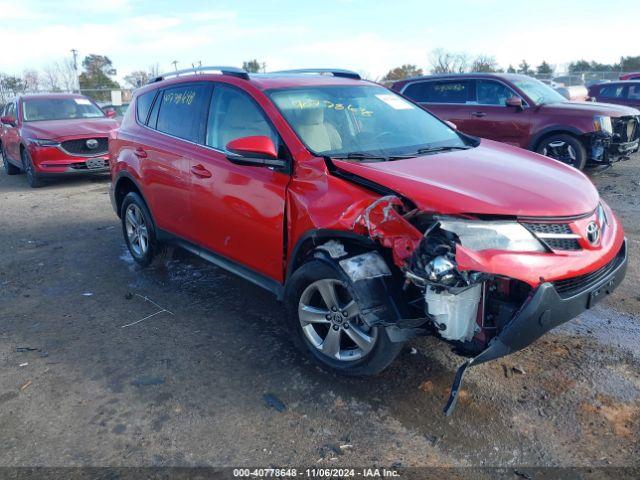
92, 144
593, 233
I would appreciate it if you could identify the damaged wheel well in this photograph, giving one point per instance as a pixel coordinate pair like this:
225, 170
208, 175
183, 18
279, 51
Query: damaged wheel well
308, 242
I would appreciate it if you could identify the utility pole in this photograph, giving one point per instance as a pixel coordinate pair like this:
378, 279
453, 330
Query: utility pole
175, 65
74, 52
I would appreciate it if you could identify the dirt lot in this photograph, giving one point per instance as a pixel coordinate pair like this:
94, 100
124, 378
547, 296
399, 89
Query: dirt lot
186, 386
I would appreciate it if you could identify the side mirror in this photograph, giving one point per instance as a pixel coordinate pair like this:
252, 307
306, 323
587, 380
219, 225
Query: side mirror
514, 102
451, 124
110, 113
9, 120
257, 150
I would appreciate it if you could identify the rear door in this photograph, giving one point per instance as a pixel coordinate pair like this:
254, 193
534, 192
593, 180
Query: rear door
490, 117
446, 99
177, 122
238, 210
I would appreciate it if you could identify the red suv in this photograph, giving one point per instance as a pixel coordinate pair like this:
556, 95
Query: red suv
523, 111
54, 134
373, 220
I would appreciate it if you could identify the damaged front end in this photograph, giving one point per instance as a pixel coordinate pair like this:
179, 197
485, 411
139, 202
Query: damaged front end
616, 140
483, 315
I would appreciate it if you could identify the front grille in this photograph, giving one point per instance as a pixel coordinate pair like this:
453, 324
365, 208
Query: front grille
562, 243
554, 235
626, 129
571, 286
561, 228
79, 146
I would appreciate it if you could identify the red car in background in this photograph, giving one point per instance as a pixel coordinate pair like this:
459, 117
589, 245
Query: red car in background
522, 111
630, 76
46, 135
622, 93
373, 220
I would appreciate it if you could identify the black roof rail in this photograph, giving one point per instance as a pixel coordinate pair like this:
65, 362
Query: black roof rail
336, 72
233, 71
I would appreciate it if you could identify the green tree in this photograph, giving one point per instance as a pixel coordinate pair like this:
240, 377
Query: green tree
95, 81
253, 66
629, 64
579, 66
511, 69
524, 68
544, 69
402, 72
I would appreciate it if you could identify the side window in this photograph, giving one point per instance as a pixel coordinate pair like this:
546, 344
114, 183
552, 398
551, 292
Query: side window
611, 91
233, 114
634, 92
451, 91
489, 92
417, 91
10, 110
143, 105
183, 111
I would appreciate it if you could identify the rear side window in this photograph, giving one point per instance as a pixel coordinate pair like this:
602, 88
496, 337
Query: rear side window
612, 91
450, 91
143, 105
183, 111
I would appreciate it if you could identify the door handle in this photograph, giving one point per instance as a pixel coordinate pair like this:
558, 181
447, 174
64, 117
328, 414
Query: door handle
478, 114
200, 171
140, 152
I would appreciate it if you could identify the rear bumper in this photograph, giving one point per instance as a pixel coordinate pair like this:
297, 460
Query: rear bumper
545, 309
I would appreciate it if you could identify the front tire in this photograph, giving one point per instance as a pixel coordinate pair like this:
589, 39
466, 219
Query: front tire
139, 230
327, 326
564, 148
27, 165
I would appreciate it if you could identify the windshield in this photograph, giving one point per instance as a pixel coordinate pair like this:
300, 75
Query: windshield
368, 122
537, 91
38, 109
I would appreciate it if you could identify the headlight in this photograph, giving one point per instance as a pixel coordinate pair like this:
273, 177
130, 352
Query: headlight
44, 143
500, 235
602, 124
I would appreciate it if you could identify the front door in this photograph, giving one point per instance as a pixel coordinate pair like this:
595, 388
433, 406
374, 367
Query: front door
238, 210
11, 135
490, 117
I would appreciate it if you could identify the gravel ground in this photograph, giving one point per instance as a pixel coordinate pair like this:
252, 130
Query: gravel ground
186, 386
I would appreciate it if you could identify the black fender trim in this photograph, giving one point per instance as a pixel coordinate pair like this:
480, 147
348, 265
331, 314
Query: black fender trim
114, 187
554, 129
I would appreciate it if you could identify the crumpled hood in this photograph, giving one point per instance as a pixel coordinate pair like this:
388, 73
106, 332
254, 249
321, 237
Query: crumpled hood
596, 108
491, 179
56, 129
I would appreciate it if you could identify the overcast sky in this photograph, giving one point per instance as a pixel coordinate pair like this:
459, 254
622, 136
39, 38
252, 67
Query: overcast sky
370, 36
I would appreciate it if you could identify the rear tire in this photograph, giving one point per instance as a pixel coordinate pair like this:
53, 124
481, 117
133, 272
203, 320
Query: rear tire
9, 168
565, 148
330, 342
139, 230
27, 165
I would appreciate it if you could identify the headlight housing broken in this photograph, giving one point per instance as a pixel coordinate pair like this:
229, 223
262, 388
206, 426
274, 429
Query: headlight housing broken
492, 235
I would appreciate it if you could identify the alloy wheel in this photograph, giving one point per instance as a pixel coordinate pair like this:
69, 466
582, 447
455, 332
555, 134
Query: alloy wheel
137, 232
561, 151
331, 322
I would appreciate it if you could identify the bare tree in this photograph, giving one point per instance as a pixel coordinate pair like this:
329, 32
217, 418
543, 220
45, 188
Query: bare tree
484, 63
31, 80
137, 78
51, 80
448, 62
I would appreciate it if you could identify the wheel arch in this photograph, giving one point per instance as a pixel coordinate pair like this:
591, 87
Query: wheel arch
555, 130
124, 184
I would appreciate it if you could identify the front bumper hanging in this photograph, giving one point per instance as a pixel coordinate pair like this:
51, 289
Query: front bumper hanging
543, 311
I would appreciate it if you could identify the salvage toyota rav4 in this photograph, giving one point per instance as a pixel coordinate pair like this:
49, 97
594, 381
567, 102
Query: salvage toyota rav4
373, 220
